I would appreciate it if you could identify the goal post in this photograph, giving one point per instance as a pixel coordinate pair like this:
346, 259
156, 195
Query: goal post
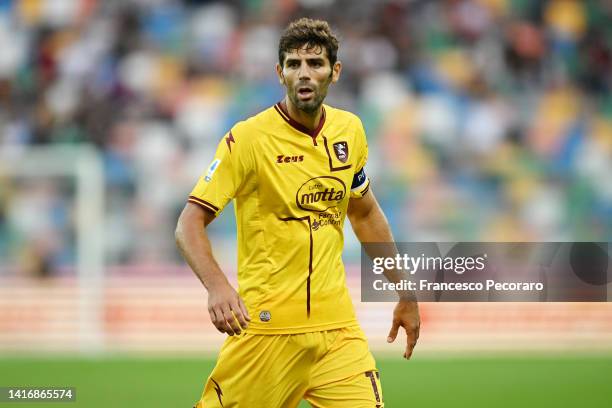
83, 163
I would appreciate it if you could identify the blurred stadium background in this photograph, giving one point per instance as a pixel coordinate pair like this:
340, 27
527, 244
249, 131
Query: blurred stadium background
488, 120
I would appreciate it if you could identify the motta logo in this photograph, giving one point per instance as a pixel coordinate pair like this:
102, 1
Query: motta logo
281, 158
341, 150
320, 193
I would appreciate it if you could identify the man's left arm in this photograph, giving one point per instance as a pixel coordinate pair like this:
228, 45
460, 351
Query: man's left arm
370, 225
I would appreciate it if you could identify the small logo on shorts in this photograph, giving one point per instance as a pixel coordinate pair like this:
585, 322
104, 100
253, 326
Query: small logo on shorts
218, 390
265, 316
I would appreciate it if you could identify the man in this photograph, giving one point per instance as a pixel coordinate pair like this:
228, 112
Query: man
295, 171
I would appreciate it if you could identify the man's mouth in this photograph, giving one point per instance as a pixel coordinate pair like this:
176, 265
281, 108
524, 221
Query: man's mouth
305, 93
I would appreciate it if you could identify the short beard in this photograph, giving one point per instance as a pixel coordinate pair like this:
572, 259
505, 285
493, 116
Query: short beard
309, 107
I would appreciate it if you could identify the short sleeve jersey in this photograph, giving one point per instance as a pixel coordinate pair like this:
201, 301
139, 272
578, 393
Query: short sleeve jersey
291, 188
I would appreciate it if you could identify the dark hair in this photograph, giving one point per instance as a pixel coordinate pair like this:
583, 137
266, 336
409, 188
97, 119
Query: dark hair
313, 33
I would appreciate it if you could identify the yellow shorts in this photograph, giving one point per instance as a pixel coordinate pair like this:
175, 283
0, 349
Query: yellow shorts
329, 369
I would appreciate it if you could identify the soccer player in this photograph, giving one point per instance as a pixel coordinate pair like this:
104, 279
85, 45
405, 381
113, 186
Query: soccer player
295, 171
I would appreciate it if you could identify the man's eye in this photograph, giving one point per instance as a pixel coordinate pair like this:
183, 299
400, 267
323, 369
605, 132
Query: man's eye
317, 64
292, 64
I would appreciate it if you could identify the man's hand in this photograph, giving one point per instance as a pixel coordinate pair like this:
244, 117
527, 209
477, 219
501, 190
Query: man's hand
406, 315
227, 310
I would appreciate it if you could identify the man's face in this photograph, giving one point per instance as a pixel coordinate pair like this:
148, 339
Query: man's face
307, 73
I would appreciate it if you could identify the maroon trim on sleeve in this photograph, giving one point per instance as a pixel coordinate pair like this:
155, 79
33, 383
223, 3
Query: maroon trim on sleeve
202, 206
204, 203
298, 126
366, 190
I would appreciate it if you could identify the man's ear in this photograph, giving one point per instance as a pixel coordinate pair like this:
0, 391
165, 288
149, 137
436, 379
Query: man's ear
279, 74
336, 69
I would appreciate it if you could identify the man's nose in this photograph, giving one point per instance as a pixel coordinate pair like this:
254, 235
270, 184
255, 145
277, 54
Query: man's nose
304, 72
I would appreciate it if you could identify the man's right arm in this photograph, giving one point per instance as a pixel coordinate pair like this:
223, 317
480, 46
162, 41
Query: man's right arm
227, 310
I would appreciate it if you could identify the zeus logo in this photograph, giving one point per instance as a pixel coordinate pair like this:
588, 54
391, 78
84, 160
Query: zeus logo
289, 159
320, 193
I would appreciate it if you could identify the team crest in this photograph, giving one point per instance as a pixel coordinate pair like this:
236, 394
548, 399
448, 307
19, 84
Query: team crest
341, 150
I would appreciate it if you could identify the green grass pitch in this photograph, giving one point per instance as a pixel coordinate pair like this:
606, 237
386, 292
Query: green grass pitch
423, 382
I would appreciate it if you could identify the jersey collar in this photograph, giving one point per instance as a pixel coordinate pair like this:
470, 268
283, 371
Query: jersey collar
298, 126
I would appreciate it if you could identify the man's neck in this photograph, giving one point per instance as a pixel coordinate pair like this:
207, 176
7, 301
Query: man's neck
309, 120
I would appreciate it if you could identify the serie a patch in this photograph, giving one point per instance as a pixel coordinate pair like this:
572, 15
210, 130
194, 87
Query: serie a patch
211, 169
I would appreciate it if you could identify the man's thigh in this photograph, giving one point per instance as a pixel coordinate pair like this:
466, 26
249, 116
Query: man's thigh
258, 371
361, 390
346, 376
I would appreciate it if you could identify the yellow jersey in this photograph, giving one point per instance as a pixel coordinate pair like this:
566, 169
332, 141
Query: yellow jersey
291, 188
